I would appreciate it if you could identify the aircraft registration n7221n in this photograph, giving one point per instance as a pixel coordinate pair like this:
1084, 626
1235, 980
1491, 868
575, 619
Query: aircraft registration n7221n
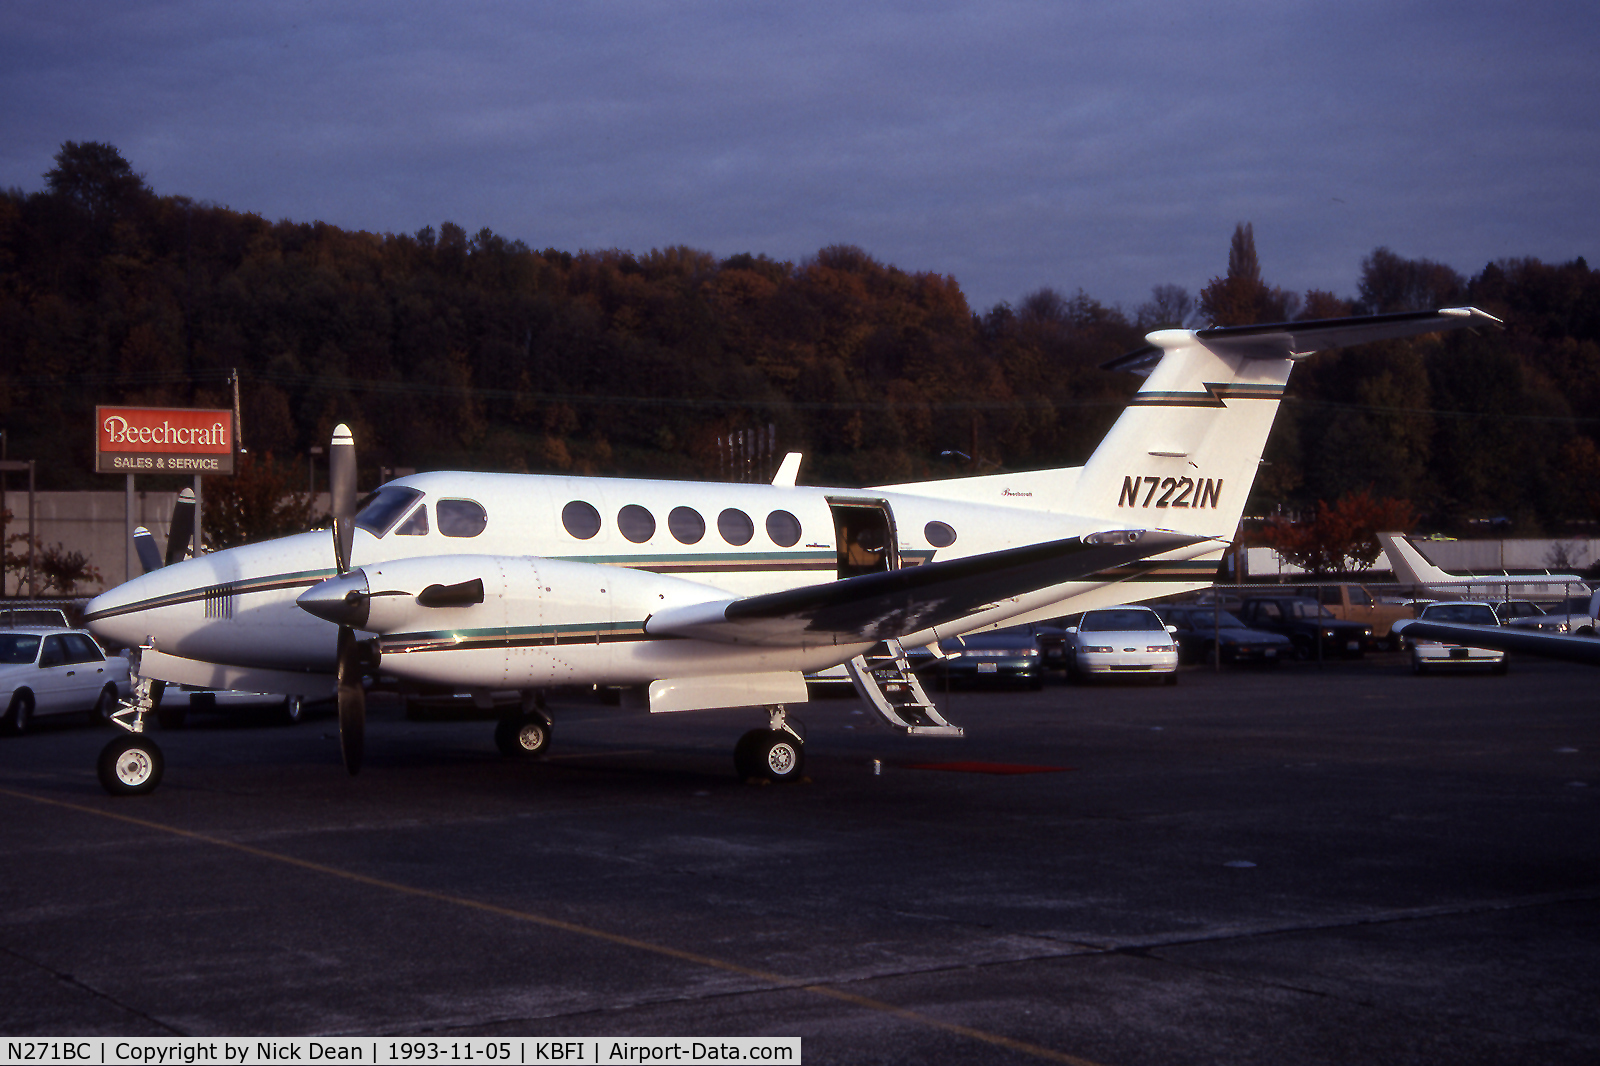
698, 595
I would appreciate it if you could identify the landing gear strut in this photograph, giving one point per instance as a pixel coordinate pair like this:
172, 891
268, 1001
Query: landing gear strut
776, 754
131, 764
526, 731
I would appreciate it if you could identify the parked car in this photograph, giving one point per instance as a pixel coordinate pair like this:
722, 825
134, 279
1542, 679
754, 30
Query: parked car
1205, 632
1429, 654
1350, 602
179, 701
1573, 614
1123, 640
1010, 655
1307, 624
48, 670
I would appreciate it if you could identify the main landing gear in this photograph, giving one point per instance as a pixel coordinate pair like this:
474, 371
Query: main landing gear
526, 731
775, 754
131, 764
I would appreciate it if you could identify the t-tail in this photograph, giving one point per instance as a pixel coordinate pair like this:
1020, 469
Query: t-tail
1183, 455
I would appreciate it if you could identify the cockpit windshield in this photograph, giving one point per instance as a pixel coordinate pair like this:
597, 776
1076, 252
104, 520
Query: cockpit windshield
384, 508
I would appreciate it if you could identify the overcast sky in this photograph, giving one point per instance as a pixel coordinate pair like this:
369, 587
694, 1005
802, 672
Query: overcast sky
1104, 146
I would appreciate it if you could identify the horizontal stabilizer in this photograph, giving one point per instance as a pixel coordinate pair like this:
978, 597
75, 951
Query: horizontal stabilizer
1292, 340
883, 606
1512, 638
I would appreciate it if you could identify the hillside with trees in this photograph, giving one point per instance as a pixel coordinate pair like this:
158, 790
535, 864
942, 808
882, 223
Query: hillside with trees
444, 349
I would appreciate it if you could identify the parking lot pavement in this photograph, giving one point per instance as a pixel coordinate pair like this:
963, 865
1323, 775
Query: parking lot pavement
1300, 865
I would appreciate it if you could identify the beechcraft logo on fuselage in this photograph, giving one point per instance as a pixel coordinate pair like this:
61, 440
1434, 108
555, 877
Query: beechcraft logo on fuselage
1170, 492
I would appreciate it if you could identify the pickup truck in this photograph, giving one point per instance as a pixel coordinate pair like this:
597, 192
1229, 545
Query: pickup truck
1307, 624
51, 670
1350, 602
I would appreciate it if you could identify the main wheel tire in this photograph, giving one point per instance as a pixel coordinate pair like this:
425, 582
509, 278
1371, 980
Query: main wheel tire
105, 706
744, 753
19, 716
522, 735
293, 711
779, 757
131, 765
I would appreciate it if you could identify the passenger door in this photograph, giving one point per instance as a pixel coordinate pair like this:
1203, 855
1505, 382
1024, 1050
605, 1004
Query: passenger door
864, 536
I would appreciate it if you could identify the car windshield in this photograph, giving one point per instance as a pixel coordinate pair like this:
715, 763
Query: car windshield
1126, 621
17, 648
1311, 609
1476, 614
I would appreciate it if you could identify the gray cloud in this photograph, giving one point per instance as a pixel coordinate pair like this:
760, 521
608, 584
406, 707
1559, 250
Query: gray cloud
1013, 145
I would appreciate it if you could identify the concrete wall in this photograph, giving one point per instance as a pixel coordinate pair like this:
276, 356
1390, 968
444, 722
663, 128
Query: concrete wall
94, 523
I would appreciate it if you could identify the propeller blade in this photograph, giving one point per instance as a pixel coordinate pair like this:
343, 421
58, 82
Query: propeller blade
342, 494
182, 528
145, 545
352, 702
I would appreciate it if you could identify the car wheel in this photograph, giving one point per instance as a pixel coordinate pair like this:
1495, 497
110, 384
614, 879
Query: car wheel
1171, 679
1417, 666
1499, 668
19, 716
293, 710
131, 765
105, 706
1303, 650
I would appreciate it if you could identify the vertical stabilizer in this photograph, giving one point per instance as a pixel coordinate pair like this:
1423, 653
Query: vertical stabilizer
1184, 454
1409, 566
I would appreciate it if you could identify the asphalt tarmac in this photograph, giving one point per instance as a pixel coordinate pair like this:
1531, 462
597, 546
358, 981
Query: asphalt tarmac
1340, 865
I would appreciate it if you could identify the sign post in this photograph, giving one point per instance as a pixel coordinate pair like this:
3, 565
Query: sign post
163, 440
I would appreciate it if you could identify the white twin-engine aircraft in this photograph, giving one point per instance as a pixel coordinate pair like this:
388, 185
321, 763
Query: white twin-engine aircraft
698, 595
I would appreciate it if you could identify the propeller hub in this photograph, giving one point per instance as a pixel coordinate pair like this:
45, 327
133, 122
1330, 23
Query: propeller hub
344, 600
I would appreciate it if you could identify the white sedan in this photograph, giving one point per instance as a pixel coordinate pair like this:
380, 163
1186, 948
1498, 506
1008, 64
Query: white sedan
1124, 640
46, 670
1428, 654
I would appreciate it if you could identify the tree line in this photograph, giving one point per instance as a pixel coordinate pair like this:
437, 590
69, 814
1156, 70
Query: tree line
443, 349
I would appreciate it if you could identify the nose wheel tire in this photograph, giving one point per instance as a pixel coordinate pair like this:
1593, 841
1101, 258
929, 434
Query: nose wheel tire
772, 754
522, 735
131, 765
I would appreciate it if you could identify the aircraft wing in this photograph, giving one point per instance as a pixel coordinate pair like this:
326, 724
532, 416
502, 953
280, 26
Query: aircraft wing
1549, 645
883, 606
1295, 340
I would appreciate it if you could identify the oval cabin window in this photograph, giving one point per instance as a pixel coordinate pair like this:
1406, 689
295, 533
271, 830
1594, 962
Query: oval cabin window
636, 523
735, 526
783, 528
686, 525
939, 535
580, 519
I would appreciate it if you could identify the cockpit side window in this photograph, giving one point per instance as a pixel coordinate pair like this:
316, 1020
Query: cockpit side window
461, 518
416, 525
385, 507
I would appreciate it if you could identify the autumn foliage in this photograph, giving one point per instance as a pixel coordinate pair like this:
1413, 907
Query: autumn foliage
1339, 537
444, 349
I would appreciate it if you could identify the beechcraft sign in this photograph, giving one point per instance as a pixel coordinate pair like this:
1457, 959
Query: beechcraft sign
163, 440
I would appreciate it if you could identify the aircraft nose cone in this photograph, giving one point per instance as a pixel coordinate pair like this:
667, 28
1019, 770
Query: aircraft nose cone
342, 600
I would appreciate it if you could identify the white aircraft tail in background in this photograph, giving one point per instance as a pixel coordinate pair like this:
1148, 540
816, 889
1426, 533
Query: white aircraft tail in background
1419, 575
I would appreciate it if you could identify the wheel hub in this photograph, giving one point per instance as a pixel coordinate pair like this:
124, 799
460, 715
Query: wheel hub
133, 767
